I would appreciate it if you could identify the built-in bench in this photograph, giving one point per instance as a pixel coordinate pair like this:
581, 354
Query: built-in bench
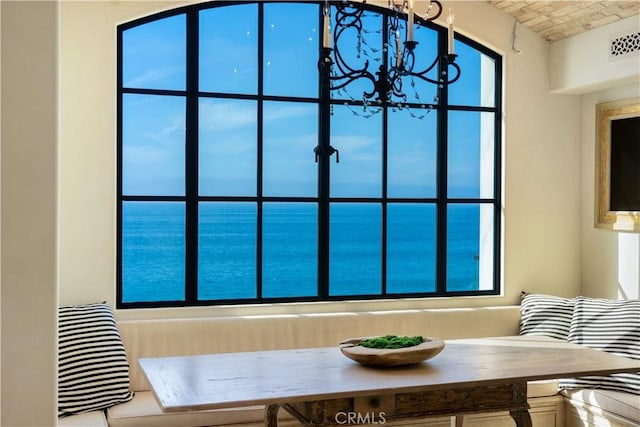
154, 338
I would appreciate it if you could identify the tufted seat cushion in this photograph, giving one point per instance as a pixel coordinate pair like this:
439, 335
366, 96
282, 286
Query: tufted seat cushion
144, 411
626, 405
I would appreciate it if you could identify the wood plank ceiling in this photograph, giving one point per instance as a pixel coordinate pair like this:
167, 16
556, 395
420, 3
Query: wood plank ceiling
558, 19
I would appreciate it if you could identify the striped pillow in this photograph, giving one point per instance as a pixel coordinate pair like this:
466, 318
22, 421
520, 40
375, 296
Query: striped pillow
93, 372
611, 326
545, 315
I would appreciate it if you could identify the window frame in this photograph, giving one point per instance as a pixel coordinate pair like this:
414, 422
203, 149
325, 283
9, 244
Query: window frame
191, 199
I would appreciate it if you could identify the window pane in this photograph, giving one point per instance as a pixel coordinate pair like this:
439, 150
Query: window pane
291, 49
290, 132
411, 248
290, 250
229, 49
359, 141
471, 154
227, 251
411, 155
476, 85
153, 247
260, 115
153, 142
356, 51
154, 55
227, 152
355, 249
470, 247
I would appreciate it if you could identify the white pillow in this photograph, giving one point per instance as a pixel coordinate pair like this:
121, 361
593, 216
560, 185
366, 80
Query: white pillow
93, 372
611, 326
545, 315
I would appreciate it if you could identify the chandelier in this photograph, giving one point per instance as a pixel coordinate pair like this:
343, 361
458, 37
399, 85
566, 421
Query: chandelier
398, 59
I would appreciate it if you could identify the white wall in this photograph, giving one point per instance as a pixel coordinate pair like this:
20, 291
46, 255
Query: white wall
610, 259
541, 202
28, 200
581, 63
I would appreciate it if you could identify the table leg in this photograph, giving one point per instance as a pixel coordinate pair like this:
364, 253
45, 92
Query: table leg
271, 415
522, 418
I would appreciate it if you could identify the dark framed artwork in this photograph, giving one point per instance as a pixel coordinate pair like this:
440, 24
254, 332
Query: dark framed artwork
618, 165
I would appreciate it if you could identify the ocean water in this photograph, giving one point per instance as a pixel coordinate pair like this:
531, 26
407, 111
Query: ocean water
153, 248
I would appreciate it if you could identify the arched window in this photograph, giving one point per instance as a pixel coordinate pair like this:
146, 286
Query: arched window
229, 190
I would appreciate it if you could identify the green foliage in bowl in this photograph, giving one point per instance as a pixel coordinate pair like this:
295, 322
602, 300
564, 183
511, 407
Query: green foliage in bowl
391, 342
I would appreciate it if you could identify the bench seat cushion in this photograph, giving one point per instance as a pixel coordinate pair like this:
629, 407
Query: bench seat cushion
87, 419
143, 411
626, 405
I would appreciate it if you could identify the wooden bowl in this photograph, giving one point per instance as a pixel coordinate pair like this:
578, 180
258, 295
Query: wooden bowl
391, 357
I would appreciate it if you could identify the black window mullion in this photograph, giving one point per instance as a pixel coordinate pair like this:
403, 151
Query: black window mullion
383, 255
119, 136
442, 121
497, 175
259, 155
323, 160
143, 91
191, 160
385, 151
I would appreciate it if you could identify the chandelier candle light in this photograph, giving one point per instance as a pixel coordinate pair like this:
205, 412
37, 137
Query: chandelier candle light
387, 80
326, 39
450, 32
410, 23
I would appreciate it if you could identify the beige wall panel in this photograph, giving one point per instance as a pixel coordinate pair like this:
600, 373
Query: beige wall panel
29, 180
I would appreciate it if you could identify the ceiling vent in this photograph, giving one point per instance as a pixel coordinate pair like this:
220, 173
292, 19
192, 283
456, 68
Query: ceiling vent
624, 45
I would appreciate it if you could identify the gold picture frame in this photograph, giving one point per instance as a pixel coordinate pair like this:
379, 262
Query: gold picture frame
606, 216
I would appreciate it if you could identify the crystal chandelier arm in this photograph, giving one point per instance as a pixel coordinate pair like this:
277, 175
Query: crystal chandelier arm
396, 85
410, 61
342, 65
450, 63
346, 78
348, 18
455, 67
436, 15
346, 73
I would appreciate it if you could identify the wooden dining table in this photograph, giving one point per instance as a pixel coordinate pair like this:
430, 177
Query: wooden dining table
321, 387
